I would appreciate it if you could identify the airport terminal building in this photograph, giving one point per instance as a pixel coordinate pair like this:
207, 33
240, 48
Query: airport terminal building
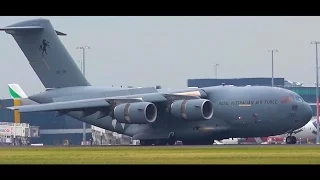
59, 130
52, 130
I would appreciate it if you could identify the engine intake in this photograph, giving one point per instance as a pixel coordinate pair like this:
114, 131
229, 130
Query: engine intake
193, 110
135, 113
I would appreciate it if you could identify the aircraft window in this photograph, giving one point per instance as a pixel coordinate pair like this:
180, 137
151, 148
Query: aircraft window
315, 123
299, 99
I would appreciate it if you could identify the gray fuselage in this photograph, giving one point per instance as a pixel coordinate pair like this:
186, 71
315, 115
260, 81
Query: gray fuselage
238, 112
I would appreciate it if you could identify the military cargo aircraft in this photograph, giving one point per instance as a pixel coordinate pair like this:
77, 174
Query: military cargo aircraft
193, 115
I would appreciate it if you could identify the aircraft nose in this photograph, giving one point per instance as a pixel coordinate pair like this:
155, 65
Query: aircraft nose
307, 112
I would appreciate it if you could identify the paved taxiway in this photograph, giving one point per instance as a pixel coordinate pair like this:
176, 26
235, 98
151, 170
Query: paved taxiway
180, 146
222, 146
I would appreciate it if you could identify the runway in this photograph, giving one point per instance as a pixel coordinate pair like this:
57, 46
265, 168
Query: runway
217, 146
175, 146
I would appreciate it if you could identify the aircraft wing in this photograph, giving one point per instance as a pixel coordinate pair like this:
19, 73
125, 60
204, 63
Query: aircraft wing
104, 102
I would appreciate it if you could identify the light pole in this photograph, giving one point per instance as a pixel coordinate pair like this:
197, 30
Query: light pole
83, 68
272, 51
216, 70
317, 87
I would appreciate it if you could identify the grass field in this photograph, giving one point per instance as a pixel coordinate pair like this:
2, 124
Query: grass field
161, 155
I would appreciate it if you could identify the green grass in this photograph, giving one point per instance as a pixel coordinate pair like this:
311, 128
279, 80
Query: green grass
161, 155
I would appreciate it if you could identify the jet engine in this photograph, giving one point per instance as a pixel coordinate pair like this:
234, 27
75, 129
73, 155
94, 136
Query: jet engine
193, 110
135, 113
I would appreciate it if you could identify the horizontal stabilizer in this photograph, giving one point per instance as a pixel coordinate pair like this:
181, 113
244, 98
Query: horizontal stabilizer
22, 28
28, 28
60, 33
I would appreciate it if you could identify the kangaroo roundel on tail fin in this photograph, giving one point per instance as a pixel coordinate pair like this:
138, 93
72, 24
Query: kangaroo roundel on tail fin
46, 54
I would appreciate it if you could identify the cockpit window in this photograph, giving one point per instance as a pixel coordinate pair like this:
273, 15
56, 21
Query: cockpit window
292, 98
315, 123
298, 98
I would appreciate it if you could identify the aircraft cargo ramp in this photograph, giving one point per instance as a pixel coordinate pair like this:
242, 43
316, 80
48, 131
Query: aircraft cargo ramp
17, 133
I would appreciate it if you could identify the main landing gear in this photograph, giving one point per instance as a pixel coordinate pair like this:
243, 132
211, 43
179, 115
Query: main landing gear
291, 140
156, 142
159, 142
198, 142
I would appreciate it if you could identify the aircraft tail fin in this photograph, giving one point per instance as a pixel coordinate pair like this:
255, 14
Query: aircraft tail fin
46, 54
16, 91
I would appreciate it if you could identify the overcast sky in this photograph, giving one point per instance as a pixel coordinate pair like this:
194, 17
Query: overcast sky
147, 51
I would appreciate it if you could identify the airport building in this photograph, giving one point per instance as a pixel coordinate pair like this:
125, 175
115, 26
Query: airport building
53, 130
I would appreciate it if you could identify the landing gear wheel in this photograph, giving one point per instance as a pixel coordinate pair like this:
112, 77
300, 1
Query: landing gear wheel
171, 139
145, 142
142, 142
294, 139
291, 140
171, 142
161, 142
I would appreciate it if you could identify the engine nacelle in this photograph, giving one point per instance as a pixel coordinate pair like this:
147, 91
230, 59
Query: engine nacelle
135, 113
193, 110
